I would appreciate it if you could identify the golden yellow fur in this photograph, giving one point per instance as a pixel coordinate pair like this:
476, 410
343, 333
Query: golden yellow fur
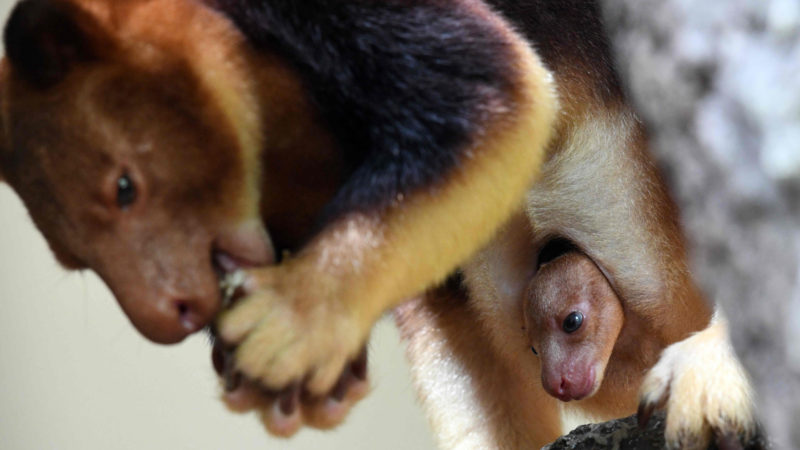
360, 266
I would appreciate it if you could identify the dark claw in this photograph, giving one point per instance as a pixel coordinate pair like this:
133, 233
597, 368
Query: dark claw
270, 393
644, 413
728, 441
223, 365
233, 379
359, 366
218, 359
288, 400
340, 390
356, 371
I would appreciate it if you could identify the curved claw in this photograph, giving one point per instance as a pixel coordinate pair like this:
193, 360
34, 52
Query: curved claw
276, 352
289, 399
644, 413
359, 366
655, 399
728, 441
284, 412
222, 359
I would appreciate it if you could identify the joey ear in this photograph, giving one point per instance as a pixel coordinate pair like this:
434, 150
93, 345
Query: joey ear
44, 39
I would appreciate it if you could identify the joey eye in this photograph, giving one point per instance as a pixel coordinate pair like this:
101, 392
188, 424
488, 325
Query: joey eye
126, 191
573, 322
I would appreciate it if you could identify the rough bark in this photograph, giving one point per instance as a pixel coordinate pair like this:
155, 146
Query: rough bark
625, 434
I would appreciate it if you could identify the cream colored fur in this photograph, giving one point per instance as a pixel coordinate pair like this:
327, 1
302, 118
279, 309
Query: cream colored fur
459, 359
702, 386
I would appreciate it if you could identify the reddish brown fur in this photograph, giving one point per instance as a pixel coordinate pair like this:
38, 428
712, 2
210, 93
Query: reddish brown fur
118, 111
491, 401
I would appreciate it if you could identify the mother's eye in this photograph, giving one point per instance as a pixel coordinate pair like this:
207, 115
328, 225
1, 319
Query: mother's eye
126, 191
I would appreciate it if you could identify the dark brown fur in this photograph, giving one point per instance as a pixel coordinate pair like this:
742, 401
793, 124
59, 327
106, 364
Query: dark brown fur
246, 133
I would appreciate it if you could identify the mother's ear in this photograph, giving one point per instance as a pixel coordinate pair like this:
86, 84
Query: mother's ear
45, 39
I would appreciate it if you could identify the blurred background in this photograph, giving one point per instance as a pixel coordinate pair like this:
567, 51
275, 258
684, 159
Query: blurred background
75, 375
718, 83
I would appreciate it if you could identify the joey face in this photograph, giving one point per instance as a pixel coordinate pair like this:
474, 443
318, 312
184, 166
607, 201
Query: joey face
573, 320
126, 167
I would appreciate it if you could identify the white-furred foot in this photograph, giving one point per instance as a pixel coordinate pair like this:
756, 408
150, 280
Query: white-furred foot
705, 391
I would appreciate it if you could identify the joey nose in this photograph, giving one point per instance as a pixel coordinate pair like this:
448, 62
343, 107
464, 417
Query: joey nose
561, 388
553, 384
565, 386
575, 389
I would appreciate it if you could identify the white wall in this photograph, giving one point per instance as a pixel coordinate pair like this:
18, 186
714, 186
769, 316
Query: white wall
75, 375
